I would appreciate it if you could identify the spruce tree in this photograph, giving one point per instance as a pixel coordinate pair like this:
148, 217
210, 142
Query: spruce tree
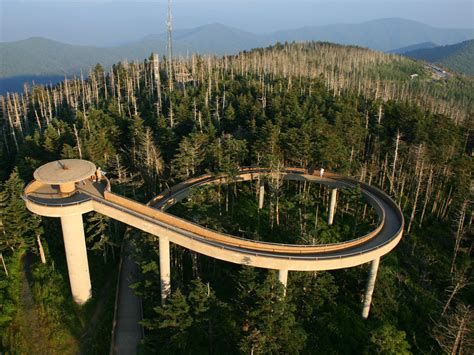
272, 325
172, 322
19, 225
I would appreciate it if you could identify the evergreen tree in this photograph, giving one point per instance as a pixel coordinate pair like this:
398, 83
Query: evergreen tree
19, 226
99, 235
190, 155
272, 324
388, 340
172, 321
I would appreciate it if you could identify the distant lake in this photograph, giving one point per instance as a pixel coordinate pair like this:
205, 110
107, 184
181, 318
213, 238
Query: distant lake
15, 83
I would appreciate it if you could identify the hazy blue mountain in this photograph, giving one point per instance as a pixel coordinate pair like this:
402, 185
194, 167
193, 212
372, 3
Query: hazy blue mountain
114, 22
383, 35
213, 38
458, 57
40, 56
43, 57
414, 47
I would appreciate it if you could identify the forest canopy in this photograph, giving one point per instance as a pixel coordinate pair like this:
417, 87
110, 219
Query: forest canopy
155, 123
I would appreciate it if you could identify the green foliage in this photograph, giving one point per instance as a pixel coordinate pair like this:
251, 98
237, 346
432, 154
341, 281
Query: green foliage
18, 228
9, 300
284, 106
100, 236
190, 155
271, 325
390, 341
195, 322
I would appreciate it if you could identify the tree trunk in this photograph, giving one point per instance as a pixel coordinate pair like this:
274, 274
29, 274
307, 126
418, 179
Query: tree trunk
78, 141
459, 234
394, 164
417, 193
427, 196
277, 211
4, 265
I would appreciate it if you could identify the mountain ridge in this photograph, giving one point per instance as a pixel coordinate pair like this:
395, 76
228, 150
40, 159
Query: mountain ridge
458, 57
41, 56
423, 45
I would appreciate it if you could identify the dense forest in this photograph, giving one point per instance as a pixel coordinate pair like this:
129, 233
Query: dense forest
150, 125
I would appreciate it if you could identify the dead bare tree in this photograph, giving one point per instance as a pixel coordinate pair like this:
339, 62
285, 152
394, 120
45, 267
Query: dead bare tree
459, 233
419, 171
455, 332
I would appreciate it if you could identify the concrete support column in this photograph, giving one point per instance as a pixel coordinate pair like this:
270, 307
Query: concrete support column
67, 188
76, 256
332, 207
261, 195
283, 278
165, 268
369, 290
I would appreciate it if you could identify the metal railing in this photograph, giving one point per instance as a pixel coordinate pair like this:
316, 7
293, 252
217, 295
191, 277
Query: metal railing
273, 252
206, 179
296, 253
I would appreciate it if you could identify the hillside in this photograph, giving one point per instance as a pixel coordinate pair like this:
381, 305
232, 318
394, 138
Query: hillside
350, 110
424, 45
214, 38
458, 57
39, 56
42, 56
383, 34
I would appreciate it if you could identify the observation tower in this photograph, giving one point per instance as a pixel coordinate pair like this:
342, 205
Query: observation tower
54, 193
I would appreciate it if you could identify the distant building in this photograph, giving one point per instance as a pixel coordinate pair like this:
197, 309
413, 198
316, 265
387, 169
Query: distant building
413, 76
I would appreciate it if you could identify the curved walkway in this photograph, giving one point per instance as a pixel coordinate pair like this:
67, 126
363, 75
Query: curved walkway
238, 250
45, 200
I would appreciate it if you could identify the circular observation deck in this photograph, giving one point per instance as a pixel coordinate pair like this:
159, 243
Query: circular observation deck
65, 173
64, 187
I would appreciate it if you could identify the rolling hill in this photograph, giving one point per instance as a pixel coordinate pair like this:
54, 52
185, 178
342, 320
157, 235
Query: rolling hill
414, 47
43, 57
383, 34
458, 57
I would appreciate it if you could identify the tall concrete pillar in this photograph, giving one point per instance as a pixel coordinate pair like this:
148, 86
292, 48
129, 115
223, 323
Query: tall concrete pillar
332, 207
369, 290
76, 256
165, 269
261, 195
283, 278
